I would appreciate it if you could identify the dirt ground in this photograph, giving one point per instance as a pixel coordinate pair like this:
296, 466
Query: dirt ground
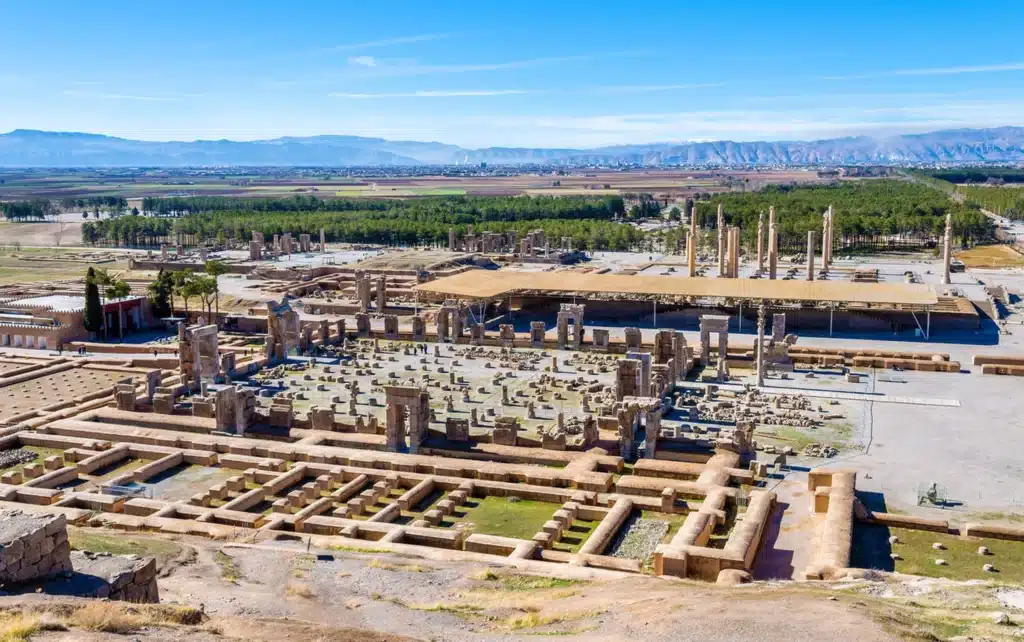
57, 234
992, 256
34, 265
273, 591
282, 591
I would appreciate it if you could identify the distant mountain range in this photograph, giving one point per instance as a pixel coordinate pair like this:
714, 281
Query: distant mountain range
32, 148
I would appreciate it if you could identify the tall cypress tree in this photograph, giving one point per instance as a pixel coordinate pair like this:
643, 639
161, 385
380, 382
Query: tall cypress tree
93, 308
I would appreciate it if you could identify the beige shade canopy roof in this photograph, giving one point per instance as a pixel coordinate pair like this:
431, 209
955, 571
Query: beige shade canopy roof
494, 284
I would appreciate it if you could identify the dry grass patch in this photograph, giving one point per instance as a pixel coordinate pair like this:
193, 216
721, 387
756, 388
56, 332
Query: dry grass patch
388, 566
17, 627
299, 589
123, 618
229, 570
108, 618
534, 620
456, 609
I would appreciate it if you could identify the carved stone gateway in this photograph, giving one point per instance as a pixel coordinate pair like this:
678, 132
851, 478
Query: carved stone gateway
391, 326
711, 323
537, 331
644, 381
627, 378
505, 431
408, 410
282, 330
198, 357
456, 429
476, 334
419, 330
600, 339
362, 325
507, 335
633, 339
451, 318
640, 412
570, 313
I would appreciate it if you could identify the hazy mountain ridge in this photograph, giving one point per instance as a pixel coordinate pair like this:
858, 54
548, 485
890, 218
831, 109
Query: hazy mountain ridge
32, 148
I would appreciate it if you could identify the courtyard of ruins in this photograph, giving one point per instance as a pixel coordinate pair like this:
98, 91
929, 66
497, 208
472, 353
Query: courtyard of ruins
702, 415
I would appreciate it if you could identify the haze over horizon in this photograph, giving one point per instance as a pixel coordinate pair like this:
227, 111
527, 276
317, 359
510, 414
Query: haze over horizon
524, 75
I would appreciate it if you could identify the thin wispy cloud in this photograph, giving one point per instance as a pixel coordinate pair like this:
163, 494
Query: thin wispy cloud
362, 61
387, 42
640, 89
600, 90
115, 96
440, 93
391, 68
935, 71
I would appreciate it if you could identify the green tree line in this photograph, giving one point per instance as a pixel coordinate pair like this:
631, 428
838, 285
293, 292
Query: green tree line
34, 210
587, 220
1006, 201
977, 174
864, 210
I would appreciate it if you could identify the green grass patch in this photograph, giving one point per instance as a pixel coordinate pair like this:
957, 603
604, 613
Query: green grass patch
574, 536
82, 539
498, 516
871, 550
39, 450
357, 549
533, 582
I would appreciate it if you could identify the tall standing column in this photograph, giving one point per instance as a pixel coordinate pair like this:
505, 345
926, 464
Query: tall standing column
760, 243
760, 345
727, 271
721, 241
947, 249
810, 254
824, 241
734, 252
828, 240
691, 254
773, 244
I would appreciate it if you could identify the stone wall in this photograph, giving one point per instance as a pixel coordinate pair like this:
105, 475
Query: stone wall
129, 578
32, 547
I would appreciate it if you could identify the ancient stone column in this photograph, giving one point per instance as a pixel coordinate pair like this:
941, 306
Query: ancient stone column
721, 241
451, 239
323, 240
760, 242
759, 347
734, 256
827, 247
824, 241
382, 296
691, 254
773, 244
810, 254
947, 249
727, 272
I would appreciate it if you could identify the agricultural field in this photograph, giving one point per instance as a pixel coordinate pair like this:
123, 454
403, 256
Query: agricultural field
34, 184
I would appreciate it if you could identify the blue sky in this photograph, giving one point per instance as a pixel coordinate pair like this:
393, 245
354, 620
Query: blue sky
519, 73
